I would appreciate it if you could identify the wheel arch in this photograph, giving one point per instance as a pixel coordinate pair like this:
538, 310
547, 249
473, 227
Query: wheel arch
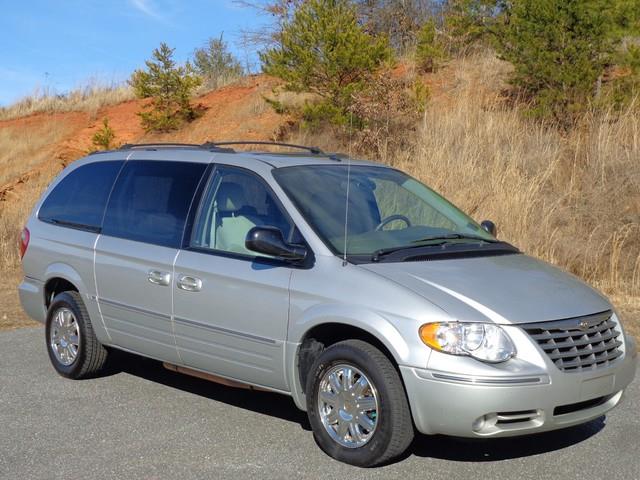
60, 277
326, 334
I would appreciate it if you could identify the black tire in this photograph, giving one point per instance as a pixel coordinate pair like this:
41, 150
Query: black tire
92, 355
394, 431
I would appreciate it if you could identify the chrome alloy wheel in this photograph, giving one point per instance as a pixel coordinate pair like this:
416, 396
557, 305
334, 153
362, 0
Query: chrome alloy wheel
348, 405
64, 336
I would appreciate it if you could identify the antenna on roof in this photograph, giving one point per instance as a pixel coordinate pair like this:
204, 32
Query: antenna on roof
346, 206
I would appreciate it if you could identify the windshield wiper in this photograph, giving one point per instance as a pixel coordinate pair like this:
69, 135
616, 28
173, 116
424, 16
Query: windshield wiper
78, 226
454, 236
438, 239
378, 254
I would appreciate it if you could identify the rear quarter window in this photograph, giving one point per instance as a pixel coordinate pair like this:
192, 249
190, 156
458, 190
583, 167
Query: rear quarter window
151, 200
80, 198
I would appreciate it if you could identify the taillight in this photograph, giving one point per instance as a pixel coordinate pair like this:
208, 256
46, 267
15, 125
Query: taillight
24, 241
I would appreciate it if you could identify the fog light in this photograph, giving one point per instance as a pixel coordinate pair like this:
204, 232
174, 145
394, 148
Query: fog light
478, 423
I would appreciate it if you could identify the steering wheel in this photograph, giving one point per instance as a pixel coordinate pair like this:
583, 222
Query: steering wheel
392, 218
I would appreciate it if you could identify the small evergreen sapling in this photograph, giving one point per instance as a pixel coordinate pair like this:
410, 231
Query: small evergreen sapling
103, 138
170, 88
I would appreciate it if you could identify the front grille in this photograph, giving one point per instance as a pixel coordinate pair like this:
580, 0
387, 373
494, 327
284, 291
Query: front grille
578, 344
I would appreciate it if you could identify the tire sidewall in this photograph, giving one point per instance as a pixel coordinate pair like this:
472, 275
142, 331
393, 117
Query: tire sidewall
369, 453
65, 300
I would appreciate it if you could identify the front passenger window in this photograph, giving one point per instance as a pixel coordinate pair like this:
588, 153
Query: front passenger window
236, 201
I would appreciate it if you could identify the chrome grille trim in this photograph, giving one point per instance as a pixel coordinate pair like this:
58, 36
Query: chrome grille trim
578, 344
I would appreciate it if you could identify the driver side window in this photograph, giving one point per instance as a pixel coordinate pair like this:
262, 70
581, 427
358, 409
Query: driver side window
235, 202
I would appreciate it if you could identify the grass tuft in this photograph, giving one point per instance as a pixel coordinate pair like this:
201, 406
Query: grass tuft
88, 98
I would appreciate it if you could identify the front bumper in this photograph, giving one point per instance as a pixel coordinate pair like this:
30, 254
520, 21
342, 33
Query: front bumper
480, 406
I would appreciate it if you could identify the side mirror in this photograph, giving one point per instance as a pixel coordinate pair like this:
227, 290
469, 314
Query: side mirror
490, 227
269, 241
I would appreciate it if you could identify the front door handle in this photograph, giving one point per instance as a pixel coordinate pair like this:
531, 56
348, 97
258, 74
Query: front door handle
189, 283
158, 277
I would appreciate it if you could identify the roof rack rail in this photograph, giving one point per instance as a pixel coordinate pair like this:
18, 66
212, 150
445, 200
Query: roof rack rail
128, 146
314, 150
151, 146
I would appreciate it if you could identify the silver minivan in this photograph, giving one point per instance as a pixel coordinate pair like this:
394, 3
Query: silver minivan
373, 302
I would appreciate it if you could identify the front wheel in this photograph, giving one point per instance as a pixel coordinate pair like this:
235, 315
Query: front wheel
357, 405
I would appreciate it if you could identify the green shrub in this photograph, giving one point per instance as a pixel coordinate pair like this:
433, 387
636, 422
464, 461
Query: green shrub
429, 52
279, 107
559, 50
420, 95
471, 22
322, 49
215, 64
386, 113
316, 114
624, 86
169, 87
104, 137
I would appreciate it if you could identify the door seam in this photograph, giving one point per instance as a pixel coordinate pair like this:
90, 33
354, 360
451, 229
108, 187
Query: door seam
95, 282
173, 316
285, 344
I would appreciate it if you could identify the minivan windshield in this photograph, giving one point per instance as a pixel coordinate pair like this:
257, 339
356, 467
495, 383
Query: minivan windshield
387, 210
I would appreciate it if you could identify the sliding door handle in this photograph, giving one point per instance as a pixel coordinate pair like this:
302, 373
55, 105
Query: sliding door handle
158, 277
189, 284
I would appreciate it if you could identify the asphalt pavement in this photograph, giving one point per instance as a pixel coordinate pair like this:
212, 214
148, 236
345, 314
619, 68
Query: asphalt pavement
140, 421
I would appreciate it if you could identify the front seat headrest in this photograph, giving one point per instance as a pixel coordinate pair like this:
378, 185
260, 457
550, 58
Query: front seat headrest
231, 197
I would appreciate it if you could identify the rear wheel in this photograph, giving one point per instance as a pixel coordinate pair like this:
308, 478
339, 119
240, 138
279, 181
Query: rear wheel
357, 406
73, 348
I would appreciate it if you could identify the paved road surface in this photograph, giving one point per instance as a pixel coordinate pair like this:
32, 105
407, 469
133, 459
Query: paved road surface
141, 421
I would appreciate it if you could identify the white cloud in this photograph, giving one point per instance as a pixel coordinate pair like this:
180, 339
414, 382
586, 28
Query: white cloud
146, 7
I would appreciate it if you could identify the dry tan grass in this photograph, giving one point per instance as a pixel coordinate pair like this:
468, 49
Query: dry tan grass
24, 146
89, 98
12, 218
572, 200
217, 82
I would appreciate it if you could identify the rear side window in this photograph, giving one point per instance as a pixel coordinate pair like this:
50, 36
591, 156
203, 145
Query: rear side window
80, 198
151, 200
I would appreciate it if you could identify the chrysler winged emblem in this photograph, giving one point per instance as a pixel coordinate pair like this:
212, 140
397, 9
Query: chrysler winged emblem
583, 325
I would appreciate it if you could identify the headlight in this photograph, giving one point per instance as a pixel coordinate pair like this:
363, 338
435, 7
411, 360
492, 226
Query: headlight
484, 341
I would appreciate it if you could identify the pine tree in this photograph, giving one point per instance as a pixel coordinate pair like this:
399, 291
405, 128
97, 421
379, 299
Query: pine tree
323, 50
216, 64
471, 21
559, 49
429, 52
169, 87
104, 137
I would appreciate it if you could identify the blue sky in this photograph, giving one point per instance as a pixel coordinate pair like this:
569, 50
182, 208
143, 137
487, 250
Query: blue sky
61, 44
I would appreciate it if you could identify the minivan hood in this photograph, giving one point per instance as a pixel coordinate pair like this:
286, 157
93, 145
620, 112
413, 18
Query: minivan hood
506, 289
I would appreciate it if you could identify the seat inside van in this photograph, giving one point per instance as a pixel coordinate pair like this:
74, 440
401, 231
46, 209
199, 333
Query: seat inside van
233, 218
